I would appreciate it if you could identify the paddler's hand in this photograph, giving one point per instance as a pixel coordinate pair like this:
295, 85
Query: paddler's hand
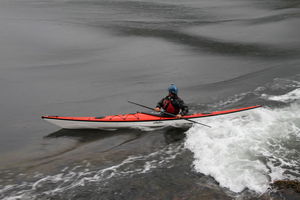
178, 116
157, 109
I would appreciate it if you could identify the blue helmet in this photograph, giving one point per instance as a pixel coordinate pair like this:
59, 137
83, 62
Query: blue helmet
173, 89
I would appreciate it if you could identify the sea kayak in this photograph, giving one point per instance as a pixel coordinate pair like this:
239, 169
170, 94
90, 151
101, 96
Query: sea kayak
135, 120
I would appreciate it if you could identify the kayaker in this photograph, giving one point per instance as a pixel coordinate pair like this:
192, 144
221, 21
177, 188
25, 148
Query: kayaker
172, 103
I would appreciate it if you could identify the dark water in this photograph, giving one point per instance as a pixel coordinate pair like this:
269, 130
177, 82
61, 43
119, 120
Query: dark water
89, 57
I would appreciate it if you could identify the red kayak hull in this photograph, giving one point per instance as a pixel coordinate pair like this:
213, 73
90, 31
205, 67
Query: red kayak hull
132, 120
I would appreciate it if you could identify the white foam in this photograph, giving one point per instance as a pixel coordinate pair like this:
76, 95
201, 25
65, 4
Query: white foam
286, 98
80, 176
240, 152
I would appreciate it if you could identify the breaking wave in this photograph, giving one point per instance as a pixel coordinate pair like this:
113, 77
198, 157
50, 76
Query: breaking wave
251, 150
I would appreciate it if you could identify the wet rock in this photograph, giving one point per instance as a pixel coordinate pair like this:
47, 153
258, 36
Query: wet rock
287, 185
283, 190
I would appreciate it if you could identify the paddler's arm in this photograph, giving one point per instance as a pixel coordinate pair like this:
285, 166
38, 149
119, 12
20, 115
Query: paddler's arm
183, 108
159, 105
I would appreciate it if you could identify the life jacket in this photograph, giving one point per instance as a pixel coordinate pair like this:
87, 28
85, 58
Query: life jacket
169, 107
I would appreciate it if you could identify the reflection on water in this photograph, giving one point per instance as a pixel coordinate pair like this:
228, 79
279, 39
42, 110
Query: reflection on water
171, 134
89, 135
174, 135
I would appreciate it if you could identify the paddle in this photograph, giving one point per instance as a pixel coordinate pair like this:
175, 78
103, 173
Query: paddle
170, 114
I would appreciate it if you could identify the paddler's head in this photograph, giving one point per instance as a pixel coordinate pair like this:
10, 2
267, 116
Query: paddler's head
173, 90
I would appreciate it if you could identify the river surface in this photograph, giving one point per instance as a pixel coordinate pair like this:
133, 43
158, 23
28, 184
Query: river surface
89, 57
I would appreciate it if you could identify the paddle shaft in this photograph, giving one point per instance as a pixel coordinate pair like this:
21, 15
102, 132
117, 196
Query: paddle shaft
170, 114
